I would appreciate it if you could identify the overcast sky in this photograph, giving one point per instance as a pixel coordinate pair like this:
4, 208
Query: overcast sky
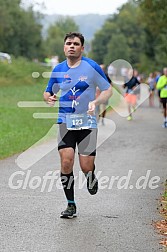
75, 7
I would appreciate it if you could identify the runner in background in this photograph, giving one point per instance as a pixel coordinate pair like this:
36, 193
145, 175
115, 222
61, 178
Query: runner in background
152, 84
162, 86
158, 75
130, 95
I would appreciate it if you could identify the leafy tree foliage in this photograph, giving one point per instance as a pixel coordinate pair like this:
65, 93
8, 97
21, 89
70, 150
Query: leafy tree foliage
20, 31
137, 33
54, 41
154, 18
119, 41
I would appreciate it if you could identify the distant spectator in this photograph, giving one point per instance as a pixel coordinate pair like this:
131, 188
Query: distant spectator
124, 73
152, 83
47, 61
54, 61
111, 71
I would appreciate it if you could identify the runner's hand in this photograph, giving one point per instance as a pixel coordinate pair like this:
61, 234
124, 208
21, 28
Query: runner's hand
91, 108
51, 100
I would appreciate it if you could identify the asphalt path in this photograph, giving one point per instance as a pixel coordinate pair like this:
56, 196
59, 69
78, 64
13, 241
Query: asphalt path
131, 164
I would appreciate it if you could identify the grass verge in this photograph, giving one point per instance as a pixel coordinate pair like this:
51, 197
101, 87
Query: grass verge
18, 129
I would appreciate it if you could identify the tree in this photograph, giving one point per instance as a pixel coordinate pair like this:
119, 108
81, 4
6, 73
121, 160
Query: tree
153, 15
20, 31
117, 49
138, 33
55, 35
161, 51
121, 36
100, 41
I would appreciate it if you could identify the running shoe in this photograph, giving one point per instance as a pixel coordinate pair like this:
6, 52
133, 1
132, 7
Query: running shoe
69, 213
129, 118
92, 183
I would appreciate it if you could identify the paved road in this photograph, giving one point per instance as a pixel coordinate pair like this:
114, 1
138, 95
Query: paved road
117, 219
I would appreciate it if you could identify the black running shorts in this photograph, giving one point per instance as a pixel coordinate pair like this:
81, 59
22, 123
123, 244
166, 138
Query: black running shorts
85, 139
164, 102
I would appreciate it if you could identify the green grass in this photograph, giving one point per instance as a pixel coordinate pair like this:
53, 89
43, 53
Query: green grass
18, 129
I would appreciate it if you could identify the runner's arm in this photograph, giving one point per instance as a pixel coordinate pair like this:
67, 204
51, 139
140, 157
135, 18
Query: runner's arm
102, 98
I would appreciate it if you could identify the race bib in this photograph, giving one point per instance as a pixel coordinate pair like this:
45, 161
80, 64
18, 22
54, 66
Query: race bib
80, 121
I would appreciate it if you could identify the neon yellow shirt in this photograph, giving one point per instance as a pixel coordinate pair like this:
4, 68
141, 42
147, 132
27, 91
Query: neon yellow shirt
162, 85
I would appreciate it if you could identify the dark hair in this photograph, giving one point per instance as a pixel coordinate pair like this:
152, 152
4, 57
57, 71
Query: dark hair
73, 35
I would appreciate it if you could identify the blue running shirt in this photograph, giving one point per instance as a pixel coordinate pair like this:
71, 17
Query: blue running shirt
77, 86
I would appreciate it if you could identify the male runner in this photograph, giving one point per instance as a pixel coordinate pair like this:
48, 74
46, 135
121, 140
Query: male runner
77, 78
